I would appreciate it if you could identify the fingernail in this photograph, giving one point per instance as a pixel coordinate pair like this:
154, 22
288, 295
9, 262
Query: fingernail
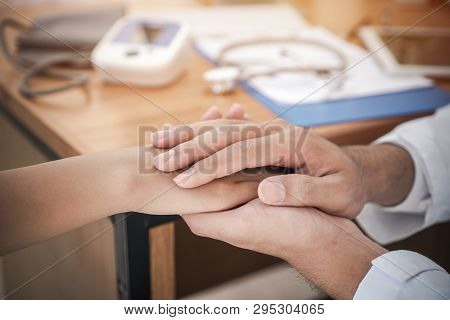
162, 159
272, 191
183, 177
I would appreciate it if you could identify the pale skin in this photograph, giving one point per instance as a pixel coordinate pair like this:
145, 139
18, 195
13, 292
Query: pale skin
324, 246
42, 201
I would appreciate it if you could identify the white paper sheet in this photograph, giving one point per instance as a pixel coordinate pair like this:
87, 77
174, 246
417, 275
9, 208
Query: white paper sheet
362, 78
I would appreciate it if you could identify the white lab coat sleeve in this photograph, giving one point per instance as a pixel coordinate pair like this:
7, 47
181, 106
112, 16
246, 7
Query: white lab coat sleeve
404, 275
428, 142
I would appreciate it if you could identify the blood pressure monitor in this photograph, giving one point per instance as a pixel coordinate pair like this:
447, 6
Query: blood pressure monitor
142, 51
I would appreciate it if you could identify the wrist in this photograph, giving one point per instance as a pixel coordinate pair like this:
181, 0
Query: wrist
338, 261
386, 170
360, 155
355, 256
140, 184
123, 178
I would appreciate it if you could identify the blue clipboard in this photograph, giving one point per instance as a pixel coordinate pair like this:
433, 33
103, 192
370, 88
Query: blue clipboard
423, 100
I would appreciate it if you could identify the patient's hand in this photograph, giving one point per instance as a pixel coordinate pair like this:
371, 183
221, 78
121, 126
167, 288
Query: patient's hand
155, 192
42, 201
167, 197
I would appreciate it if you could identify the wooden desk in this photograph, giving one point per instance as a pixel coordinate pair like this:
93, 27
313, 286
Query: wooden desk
102, 117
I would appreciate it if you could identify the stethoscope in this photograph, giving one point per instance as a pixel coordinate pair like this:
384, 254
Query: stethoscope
224, 78
45, 66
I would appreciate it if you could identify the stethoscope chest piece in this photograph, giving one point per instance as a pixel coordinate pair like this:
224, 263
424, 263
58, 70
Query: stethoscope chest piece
222, 80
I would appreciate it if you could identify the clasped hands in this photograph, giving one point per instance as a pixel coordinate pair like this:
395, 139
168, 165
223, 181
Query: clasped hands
302, 217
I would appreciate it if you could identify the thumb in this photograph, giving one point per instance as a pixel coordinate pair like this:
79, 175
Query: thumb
293, 190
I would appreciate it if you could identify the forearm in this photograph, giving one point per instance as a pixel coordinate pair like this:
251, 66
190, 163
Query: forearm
387, 172
42, 201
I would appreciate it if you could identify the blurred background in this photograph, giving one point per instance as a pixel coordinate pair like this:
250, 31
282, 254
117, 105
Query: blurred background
203, 268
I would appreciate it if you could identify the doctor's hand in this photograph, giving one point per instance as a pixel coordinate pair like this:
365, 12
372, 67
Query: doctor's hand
327, 178
338, 180
329, 251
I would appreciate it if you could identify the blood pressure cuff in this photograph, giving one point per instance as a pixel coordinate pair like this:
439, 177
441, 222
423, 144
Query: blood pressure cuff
50, 42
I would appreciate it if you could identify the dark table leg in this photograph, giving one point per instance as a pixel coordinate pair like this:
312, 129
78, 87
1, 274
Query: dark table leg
133, 253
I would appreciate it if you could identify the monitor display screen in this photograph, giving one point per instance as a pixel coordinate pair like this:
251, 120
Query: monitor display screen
140, 32
145, 34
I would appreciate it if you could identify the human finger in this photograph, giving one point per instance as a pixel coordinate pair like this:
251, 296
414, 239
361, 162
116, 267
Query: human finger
225, 226
205, 145
295, 190
171, 137
212, 114
236, 112
225, 134
329, 193
251, 153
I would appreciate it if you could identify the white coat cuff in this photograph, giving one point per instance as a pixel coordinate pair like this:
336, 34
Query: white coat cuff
404, 275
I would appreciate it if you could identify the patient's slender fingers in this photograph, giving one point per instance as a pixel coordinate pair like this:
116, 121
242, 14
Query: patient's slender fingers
241, 193
237, 194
